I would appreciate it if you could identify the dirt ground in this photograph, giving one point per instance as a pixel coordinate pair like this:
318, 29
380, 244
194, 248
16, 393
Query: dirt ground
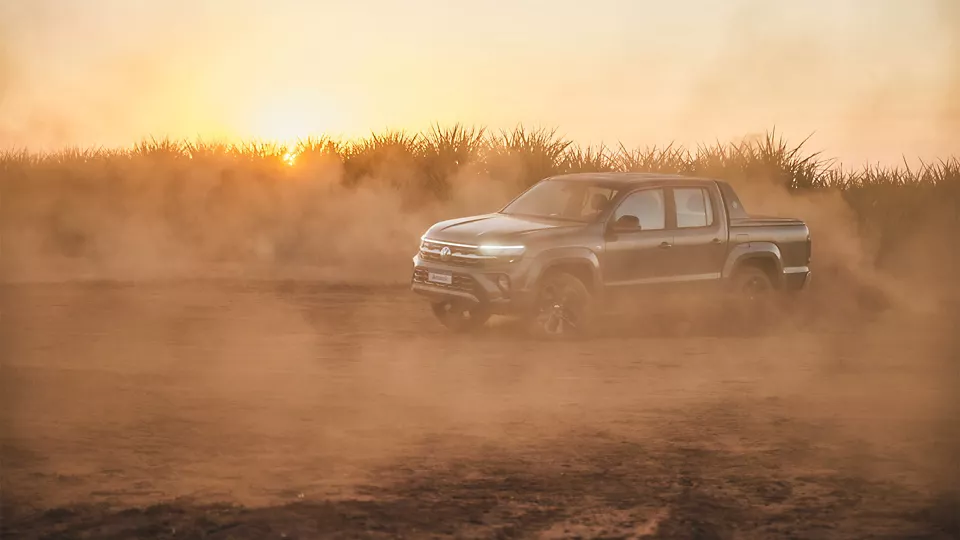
289, 410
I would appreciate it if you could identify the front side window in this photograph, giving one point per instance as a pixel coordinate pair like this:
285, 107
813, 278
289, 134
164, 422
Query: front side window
693, 208
647, 206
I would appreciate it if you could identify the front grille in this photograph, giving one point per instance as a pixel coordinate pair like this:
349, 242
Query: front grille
461, 282
460, 255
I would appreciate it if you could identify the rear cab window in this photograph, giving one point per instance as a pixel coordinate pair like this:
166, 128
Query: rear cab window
693, 207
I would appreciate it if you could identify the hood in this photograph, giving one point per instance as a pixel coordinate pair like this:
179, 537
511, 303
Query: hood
493, 228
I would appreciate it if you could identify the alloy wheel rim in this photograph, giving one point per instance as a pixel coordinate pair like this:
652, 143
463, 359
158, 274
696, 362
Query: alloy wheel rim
754, 288
558, 314
451, 310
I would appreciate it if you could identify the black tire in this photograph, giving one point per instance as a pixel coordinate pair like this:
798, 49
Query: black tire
460, 316
564, 308
754, 298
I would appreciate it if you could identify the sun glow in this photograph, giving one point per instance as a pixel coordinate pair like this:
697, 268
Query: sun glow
290, 157
290, 118
283, 123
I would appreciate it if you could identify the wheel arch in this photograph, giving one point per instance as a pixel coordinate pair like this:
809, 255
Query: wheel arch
763, 255
581, 263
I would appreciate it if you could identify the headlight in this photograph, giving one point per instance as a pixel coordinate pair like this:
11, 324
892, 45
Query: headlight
501, 251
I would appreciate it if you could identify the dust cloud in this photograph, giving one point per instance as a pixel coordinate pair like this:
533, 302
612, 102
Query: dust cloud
283, 396
301, 377
207, 221
104, 218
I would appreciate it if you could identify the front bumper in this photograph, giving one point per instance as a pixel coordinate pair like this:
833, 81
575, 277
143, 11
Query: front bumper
479, 285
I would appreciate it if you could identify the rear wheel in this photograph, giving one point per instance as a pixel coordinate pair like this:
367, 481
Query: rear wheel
753, 296
564, 307
460, 316
752, 284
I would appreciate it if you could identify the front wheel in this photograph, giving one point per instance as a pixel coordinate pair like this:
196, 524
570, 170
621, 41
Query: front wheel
564, 307
460, 316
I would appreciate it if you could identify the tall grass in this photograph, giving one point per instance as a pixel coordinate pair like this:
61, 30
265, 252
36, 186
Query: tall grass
522, 156
228, 196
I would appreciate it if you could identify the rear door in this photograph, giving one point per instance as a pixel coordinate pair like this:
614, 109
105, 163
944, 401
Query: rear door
700, 234
640, 257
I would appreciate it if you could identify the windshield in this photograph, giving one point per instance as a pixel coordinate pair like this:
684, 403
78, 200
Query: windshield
559, 199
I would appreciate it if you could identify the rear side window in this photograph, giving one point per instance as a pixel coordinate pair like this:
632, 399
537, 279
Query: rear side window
647, 206
693, 207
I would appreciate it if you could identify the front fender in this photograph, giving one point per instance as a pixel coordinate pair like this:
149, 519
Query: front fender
768, 251
580, 257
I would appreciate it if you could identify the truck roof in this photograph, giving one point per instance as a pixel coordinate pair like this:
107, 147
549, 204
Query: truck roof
623, 178
619, 180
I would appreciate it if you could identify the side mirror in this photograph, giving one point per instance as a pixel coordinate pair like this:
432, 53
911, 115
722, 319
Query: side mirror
627, 223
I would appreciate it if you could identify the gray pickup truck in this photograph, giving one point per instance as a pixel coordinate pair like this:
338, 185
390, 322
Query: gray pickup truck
572, 244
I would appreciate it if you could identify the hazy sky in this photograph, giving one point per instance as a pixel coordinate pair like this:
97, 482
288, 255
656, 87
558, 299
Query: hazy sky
872, 79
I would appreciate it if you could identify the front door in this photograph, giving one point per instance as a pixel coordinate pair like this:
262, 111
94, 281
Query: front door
639, 257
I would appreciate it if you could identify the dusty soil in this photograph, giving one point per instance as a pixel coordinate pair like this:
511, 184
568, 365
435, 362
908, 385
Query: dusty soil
272, 410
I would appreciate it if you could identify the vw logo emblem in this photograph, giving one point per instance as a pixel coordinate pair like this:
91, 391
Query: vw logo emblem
445, 253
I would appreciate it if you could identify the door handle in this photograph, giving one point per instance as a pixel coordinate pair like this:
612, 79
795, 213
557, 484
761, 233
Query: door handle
715, 241
665, 245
